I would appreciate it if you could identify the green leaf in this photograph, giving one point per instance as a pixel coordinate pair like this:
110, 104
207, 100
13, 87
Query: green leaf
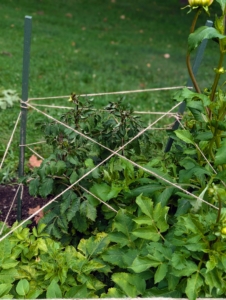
141, 264
8, 275
178, 260
61, 167
22, 287
88, 210
130, 254
70, 204
8, 263
160, 173
143, 220
74, 207
73, 160
211, 263
119, 238
214, 280
5, 288
123, 223
146, 205
33, 294
101, 190
220, 125
161, 272
222, 4
221, 175
132, 284
157, 219
183, 94
196, 104
194, 284
198, 203
165, 195
5, 248
115, 190
79, 222
185, 136
204, 136
203, 32
114, 256
92, 266
34, 186
159, 251
113, 293
95, 245
220, 157
52, 166
53, 290
78, 262
8, 98
78, 292
46, 187
146, 190
89, 163
161, 293
74, 177
147, 233
160, 217
189, 269
91, 281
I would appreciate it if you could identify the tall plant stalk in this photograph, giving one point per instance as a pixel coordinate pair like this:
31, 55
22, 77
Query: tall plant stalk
188, 59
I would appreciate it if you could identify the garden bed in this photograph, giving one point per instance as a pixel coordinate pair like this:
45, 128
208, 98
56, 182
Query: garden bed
29, 203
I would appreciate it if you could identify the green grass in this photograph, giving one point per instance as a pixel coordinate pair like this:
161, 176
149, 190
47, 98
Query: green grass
91, 46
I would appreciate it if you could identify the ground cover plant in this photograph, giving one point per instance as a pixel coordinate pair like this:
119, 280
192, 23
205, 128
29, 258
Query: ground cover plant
129, 219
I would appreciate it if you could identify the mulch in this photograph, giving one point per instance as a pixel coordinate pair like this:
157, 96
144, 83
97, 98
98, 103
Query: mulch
7, 194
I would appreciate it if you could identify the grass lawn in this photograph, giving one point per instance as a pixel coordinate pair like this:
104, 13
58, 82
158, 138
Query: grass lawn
91, 46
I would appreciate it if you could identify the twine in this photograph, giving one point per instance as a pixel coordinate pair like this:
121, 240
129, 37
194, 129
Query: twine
114, 93
175, 115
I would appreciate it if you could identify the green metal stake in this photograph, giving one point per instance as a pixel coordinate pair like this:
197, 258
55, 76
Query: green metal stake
25, 81
195, 68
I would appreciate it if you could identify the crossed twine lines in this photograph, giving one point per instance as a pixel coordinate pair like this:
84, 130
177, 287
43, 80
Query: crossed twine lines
169, 113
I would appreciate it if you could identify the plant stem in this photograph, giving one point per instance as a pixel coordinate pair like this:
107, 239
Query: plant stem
217, 77
188, 61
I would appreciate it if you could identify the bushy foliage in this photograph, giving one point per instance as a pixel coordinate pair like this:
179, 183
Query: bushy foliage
78, 210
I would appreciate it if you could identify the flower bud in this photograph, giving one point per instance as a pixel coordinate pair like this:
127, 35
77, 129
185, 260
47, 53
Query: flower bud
196, 3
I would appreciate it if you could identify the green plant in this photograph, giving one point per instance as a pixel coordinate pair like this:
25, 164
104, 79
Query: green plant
33, 266
153, 230
77, 211
8, 98
9, 166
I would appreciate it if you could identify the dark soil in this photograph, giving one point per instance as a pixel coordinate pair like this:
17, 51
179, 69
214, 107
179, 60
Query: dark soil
7, 194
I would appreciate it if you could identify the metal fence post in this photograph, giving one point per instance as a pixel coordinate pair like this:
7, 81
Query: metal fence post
25, 82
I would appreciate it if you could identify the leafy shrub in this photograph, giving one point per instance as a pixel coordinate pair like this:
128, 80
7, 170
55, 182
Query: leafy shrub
77, 211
